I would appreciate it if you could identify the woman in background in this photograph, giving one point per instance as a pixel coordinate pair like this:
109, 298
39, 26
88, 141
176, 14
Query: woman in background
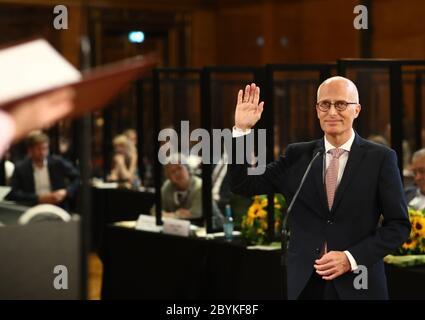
124, 164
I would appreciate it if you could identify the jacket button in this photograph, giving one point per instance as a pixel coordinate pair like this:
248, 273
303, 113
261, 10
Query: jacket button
329, 222
317, 250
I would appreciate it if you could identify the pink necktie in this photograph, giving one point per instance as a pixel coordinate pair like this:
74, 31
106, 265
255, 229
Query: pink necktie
331, 177
331, 180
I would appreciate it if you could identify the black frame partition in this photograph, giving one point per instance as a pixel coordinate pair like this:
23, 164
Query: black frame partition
395, 99
156, 89
258, 77
418, 100
139, 125
324, 70
419, 79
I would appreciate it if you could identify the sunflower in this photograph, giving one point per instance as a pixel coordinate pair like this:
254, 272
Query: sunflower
253, 210
254, 223
409, 244
418, 226
262, 214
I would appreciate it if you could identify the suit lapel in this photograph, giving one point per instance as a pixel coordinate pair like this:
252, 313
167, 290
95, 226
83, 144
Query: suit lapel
317, 171
30, 175
354, 159
50, 170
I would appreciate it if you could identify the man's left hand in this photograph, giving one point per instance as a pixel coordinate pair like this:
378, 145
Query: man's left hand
60, 195
332, 265
183, 213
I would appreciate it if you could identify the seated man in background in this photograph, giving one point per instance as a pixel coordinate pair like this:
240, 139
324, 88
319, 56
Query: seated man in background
43, 178
182, 194
124, 165
416, 195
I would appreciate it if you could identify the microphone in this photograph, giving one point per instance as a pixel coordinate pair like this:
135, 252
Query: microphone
285, 226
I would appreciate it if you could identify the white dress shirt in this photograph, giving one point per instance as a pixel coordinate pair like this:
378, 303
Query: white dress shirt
41, 179
418, 202
236, 132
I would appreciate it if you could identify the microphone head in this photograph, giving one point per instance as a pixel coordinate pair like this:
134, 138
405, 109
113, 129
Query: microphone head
319, 151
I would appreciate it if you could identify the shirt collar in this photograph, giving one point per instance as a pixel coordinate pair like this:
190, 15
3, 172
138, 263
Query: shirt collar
346, 146
44, 165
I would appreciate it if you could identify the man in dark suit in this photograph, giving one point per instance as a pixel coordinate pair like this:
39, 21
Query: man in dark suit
43, 178
334, 222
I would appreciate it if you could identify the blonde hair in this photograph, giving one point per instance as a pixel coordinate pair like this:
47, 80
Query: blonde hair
120, 140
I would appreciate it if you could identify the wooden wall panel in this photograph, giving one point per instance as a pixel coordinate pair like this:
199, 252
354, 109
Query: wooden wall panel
398, 29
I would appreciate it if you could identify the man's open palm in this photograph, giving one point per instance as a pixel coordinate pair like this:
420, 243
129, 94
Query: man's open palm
248, 110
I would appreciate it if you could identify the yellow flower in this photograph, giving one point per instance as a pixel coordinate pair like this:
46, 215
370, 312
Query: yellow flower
257, 199
409, 244
262, 214
252, 211
264, 203
418, 226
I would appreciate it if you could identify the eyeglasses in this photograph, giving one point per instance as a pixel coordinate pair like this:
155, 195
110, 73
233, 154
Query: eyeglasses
340, 105
418, 171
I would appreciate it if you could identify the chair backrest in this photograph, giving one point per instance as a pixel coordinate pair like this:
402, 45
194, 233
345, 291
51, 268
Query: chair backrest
44, 212
4, 191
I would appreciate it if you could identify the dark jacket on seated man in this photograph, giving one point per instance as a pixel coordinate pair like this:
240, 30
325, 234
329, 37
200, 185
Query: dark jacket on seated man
62, 175
410, 192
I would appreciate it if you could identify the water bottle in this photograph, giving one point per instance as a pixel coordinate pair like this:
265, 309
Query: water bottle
228, 224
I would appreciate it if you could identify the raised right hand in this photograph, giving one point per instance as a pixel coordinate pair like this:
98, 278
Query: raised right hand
248, 110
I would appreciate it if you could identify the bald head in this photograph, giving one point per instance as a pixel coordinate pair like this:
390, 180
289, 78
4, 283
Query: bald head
338, 88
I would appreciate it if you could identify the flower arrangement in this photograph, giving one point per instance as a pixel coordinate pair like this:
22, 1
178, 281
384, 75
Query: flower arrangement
416, 242
254, 223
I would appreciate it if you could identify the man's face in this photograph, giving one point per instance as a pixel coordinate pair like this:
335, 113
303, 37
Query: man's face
178, 175
334, 122
418, 168
39, 152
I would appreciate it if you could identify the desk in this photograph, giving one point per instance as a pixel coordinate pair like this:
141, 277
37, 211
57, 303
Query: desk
10, 212
144, 265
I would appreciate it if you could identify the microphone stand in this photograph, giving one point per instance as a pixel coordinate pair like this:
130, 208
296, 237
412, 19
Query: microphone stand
285, 225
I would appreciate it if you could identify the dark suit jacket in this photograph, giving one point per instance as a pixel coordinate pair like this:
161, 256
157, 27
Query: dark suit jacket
370, 186
62, 175
410, 193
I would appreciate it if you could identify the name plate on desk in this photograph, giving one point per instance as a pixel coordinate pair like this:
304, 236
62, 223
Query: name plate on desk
176, 227
147, 223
